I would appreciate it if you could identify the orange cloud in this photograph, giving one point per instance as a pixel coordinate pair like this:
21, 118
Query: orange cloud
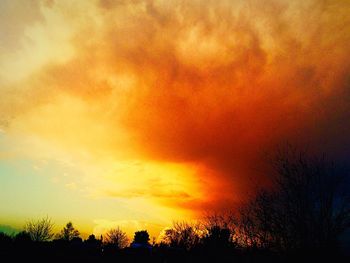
209, 84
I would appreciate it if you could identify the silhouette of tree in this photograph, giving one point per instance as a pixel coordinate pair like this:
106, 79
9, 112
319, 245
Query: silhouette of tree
254, 222
91, 238
76, 240
117, 237
4, 236
141, 237
308, 208
22, 237
183, 235
5, 239
68, 232
93, 246
220, 230
41, 230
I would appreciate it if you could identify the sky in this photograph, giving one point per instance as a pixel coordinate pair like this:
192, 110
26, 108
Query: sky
140, 113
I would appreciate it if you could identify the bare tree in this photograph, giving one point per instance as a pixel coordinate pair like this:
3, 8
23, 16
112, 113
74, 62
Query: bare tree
247, 226
184, 235
41, 230
116, 237
68, 232
308, 207
258, 225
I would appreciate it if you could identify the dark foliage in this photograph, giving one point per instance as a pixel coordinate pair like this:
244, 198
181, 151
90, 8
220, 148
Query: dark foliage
141, 237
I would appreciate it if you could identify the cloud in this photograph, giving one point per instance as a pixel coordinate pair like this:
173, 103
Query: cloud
208, 84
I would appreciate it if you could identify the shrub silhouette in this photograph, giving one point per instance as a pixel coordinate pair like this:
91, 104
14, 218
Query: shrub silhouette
220, 231
92, 239
141, 237
5, 240
22, 237
41, 230
183, 235
117, 238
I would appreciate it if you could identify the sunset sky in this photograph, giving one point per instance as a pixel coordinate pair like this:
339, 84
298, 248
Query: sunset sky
137, 113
